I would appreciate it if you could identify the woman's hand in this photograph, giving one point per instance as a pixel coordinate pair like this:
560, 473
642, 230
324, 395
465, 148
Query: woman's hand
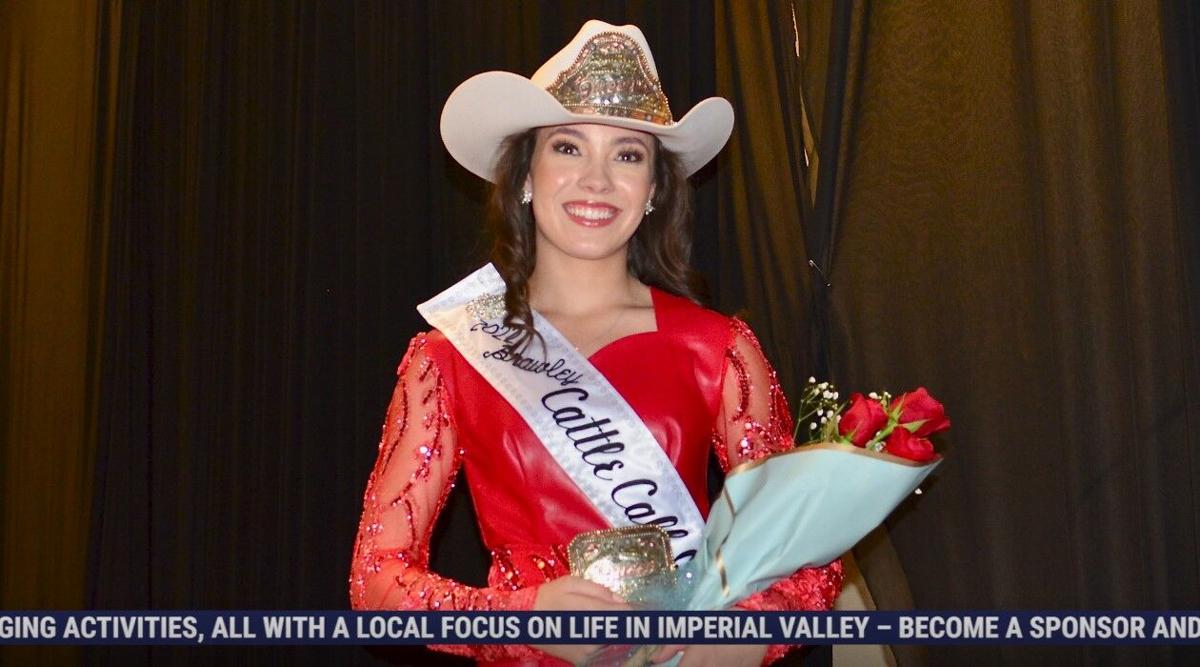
570, 593
704, 655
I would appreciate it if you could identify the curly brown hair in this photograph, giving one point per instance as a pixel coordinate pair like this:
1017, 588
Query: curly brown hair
659, 250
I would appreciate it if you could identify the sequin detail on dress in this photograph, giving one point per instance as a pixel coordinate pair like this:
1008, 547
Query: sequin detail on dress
418, 460
757, 422
409, 484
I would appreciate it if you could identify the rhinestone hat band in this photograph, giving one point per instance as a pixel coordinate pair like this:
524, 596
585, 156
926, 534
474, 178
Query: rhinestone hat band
611, 77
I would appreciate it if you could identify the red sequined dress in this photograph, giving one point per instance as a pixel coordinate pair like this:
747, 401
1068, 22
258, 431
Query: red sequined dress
699, 381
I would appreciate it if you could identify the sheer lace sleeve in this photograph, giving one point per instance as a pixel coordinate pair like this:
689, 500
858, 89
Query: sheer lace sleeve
418, 461
755, 421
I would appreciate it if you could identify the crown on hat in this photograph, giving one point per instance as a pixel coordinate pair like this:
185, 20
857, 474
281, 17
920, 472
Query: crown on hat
611, 76
605, 75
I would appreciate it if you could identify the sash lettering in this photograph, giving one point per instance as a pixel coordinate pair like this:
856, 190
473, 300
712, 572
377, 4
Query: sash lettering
589, 428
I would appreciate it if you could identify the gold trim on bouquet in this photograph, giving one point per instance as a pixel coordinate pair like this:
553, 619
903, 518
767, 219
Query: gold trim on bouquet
627, 560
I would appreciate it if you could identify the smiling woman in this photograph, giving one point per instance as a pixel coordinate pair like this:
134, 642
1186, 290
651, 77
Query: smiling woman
591, 188
591, 185
523, 217
589, 277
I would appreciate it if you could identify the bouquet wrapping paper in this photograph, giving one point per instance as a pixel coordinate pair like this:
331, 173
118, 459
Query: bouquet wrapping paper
800, 508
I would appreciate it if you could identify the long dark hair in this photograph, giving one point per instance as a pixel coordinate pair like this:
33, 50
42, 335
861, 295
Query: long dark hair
658, 251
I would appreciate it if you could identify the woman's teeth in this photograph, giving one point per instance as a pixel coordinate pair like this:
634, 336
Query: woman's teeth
592, 212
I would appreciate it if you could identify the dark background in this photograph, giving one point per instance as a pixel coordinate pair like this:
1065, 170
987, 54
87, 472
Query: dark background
218, 217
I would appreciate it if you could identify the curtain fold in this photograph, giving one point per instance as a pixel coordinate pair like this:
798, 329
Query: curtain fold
51, 275
1008, 237
55, 86
763, 263
781, 64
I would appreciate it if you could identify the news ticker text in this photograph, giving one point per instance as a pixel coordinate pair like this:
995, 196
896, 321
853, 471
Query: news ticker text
633, 627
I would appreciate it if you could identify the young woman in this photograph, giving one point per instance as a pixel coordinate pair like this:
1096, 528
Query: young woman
575, 378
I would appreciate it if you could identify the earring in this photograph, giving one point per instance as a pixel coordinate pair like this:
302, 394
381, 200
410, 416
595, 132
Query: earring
526, 197
649, 208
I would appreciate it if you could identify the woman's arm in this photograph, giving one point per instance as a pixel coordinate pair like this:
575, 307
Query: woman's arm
418, 460
755, 421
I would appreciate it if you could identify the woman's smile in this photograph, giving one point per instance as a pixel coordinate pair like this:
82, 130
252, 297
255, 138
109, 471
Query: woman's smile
591, 214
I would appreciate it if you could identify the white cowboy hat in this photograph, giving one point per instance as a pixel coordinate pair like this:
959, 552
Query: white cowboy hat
605, 75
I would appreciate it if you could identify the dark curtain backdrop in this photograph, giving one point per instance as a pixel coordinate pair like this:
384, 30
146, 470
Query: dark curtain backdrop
217, 218
775, 62
1016, 229
54, 85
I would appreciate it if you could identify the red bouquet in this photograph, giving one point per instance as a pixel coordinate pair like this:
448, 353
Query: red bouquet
898, 425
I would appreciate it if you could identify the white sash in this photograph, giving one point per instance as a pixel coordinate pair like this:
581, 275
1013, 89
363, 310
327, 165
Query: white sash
589, 428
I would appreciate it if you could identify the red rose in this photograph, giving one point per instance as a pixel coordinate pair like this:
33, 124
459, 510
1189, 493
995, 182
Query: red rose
919, 406
862, 420
908, 446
